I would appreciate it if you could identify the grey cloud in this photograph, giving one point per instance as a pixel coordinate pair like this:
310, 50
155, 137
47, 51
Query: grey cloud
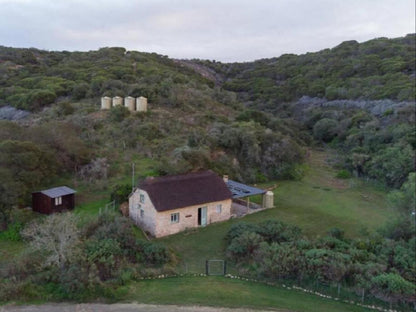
224, 30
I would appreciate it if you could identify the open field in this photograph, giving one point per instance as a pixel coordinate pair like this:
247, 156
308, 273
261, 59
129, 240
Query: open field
225, 292
320, 201
316, 204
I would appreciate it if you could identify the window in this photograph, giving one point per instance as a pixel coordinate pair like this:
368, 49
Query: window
142, 198
58, 201
174, 217
219, 208
141, 211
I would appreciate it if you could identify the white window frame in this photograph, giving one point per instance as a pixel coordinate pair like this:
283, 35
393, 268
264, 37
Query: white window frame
141, 198
219, 208
58, 201
174, 217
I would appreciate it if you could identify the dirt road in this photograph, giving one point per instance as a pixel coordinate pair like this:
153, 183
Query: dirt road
119, 307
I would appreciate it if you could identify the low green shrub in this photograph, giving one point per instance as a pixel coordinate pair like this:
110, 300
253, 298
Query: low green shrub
13, 232
343, 174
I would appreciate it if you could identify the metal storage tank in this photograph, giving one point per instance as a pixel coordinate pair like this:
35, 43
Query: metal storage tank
268, 200
130, 103
141, 104
105, 102
117, 100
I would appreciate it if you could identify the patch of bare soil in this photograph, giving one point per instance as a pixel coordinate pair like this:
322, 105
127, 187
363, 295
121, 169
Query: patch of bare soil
337, 184
120, 307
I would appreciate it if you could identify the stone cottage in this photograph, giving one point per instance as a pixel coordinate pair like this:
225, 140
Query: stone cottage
168, 205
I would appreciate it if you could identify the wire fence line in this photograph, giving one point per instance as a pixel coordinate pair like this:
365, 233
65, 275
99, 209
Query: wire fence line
333, 291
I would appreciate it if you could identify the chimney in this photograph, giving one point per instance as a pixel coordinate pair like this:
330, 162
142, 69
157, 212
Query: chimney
225, 178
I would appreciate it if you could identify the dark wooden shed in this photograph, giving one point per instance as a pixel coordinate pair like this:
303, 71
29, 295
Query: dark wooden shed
56, 199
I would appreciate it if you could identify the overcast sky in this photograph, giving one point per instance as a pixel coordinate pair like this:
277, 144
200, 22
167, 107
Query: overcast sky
225, 30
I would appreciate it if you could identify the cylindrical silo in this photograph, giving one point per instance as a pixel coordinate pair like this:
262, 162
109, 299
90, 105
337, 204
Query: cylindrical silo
141, 104
117, 100
105, 102
268, 200
130, 103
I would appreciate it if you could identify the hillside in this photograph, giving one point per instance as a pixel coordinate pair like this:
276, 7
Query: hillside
191, 124
357, 97
377, 69
258, 122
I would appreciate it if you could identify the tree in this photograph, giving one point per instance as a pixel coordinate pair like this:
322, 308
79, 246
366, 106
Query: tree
57, 236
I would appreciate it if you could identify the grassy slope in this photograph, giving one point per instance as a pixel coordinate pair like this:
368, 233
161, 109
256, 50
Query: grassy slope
219, 291
320, 202
316, 204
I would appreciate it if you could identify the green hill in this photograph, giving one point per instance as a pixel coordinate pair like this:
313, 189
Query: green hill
255, 121
377, 69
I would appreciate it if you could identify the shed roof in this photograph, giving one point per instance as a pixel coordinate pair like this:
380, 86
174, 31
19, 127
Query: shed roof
179, 191
58, 191
241, 190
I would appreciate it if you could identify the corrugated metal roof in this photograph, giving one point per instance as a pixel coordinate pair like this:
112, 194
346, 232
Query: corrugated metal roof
58, 191
240, 190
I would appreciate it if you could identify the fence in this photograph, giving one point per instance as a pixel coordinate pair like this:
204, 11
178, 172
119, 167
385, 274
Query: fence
250, 205
336, 292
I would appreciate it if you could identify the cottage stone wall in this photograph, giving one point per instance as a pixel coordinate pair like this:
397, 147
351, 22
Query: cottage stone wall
148, 220
188, 217
159, 223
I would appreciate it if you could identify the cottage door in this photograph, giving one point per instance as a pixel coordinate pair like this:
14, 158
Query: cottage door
202, 216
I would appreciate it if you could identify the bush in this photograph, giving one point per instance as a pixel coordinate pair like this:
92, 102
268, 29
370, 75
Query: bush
343, 174
239, 228
336, 233
13, 232
80, 90
244, 246
65, 108
39, 98
120, 193
152, 253
118, 113
325, 129
277, 231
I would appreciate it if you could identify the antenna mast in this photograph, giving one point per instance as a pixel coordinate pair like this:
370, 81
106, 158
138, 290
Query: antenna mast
132, 178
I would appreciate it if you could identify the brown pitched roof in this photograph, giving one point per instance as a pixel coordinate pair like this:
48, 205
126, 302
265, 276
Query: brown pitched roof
179, 191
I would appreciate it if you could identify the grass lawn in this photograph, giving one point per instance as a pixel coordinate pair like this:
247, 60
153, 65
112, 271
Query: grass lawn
316, 204
224, 292
320, 201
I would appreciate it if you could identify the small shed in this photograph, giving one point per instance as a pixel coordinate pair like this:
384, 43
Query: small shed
56, 199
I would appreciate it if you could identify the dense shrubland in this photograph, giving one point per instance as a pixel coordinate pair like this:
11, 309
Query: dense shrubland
378, 147
377, 69
32, 79
69, 258
378, 266
376, 137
